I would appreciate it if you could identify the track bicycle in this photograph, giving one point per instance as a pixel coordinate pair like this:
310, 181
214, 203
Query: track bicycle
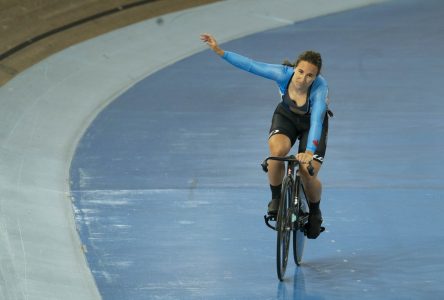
292, 216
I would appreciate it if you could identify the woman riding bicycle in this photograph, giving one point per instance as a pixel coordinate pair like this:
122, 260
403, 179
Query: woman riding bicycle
301, 114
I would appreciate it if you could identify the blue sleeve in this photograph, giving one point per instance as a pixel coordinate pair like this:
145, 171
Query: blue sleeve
278, 73
318, 102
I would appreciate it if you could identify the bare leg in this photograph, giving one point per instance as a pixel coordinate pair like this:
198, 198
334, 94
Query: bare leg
312, 185
279, 145
313, 190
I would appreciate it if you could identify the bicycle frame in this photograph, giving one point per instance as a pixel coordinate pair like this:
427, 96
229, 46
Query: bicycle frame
290, 171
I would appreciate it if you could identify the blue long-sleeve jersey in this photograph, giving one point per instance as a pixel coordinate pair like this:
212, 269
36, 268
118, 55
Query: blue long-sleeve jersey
281, 74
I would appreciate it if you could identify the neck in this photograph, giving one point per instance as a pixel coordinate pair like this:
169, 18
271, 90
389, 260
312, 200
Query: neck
298, 89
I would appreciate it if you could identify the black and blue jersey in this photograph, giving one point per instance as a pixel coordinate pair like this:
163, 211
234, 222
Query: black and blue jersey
282, 74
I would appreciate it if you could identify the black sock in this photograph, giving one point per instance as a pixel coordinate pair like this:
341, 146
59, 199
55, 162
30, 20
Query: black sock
275, 191
314, 207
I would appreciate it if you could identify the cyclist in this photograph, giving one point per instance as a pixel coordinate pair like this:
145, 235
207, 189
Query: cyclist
301, 114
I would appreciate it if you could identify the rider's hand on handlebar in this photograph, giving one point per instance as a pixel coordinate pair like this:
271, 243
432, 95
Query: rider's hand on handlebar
304, 157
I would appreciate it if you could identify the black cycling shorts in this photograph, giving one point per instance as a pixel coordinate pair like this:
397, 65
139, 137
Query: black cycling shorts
295, 127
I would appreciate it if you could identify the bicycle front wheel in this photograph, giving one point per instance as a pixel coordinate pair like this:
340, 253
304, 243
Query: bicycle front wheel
301, 212
283, 227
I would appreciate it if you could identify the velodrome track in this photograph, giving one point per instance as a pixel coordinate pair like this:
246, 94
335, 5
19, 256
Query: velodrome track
166, 183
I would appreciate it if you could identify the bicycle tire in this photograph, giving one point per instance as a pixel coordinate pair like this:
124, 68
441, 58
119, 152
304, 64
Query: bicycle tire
283, 227
301, 212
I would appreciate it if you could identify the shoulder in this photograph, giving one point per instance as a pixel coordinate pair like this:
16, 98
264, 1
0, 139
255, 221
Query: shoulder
287, 72
319, 93
319, 86
320, 81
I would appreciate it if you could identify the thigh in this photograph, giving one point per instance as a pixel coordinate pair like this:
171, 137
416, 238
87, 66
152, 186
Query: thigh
282, 124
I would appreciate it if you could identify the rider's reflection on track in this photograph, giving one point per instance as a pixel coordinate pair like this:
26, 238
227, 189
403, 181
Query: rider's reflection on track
282, 292
298, 291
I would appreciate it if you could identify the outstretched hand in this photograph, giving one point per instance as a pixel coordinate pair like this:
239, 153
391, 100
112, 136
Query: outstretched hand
209, 39
212, 43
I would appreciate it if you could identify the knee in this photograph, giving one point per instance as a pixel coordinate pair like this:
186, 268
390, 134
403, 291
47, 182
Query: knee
279, 145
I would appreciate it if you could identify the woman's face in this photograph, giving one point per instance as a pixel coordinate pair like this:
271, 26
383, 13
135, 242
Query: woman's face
304, 74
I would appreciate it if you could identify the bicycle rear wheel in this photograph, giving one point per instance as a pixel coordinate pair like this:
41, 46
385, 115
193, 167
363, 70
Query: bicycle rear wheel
283, 227
301, 212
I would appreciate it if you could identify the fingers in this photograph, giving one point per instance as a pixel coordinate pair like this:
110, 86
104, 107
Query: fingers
206, 37
304, 158
300, 157
211, 42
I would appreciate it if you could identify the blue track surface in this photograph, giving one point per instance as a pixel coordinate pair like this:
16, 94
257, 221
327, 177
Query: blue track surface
170, 196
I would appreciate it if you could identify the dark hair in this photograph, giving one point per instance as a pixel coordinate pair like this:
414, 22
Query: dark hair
309, 56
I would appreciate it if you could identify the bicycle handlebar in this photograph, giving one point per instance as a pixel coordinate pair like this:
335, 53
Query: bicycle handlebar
290, 158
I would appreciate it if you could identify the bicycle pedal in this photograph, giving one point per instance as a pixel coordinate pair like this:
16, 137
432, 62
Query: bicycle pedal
269, 218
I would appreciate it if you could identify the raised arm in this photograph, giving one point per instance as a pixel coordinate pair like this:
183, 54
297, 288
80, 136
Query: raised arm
279, 73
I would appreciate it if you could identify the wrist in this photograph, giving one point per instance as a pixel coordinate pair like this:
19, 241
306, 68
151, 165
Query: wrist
219, 51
